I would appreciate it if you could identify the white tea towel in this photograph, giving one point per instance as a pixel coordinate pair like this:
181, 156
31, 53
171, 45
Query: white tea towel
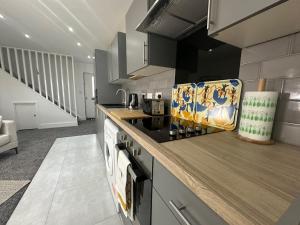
123, 182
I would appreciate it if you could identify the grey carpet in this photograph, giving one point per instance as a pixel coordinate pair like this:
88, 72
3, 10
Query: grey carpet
33, 148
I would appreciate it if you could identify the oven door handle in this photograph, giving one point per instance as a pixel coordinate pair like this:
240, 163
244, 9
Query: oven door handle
135, 174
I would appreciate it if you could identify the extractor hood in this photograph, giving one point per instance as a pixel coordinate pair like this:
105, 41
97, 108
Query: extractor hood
174, 18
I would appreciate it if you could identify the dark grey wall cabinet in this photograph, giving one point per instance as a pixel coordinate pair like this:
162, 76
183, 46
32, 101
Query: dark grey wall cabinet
106, 92
100, 118
161, 214
147, 54
117, 59
224, 13
183, 203
246, 23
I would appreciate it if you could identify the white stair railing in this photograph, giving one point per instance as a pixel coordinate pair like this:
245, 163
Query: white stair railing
36, 68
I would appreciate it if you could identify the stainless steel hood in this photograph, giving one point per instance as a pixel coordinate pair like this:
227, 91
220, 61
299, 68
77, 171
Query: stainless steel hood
174, 18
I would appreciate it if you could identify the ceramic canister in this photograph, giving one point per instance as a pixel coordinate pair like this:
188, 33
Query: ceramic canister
257, 117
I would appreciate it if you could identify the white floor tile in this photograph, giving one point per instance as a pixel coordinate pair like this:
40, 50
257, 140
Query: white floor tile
70, 187
114, 220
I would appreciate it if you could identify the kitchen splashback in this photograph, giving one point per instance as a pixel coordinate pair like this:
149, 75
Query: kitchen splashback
278, 61
157, 83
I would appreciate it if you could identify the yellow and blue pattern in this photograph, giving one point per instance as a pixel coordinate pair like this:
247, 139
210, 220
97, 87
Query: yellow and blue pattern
212, 103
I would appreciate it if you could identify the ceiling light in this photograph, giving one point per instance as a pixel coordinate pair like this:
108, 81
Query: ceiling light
78, 44
71, 29
27, 35
89, 57
1, 16
93, 57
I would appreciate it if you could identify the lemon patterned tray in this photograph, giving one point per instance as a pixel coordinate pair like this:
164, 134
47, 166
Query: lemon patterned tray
212, 103
183, 101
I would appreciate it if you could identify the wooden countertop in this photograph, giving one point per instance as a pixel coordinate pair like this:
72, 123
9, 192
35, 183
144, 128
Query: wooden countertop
124, 113
244, 183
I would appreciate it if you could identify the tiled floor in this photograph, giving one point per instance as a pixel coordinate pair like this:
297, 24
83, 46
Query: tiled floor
70, 188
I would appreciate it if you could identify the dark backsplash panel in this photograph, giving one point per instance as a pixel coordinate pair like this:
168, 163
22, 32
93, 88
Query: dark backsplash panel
201, 58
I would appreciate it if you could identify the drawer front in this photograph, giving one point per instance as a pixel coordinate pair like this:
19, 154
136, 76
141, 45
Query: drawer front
161, 214
184, 204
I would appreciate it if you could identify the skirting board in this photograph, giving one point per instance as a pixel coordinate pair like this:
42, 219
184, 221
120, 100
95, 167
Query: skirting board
59, 124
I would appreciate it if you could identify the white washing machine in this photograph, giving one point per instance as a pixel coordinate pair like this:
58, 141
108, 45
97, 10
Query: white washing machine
111, 137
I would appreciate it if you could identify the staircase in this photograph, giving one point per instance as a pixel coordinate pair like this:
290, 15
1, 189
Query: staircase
49, 74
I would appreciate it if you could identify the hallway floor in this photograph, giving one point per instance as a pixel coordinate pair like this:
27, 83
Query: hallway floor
33, 148
69, 188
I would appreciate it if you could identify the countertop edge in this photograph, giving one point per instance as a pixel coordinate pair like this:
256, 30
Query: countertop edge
201, 190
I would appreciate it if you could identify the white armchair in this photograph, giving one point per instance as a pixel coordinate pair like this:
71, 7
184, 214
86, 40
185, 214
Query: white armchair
8, 135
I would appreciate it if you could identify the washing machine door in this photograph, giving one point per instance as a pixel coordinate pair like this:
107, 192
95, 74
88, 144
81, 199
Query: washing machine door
108, 155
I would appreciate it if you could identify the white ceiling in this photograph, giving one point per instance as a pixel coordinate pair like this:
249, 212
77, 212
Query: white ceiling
95, 23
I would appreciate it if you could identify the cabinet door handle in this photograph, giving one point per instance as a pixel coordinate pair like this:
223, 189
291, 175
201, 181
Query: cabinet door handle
144, 53
178, 211
209, 22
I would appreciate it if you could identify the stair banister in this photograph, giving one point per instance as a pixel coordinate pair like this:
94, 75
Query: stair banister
24, 67
68, 78
62, 81
17, 63
31, 71
50, 73
9, 61
74, 85
1, 58
45, 75
57, 82
38, 71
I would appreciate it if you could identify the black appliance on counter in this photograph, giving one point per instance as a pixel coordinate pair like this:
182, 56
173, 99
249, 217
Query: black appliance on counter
133, 101
168, 128
202, 58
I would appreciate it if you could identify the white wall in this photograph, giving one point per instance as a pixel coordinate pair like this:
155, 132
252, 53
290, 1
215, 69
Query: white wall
80, 68
48, 114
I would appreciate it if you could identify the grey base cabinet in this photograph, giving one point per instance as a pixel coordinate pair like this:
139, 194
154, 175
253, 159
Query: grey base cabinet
161, 214
185, 206
100, 118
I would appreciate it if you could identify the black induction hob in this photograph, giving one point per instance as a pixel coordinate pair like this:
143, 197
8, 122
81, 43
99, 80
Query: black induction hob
168, 128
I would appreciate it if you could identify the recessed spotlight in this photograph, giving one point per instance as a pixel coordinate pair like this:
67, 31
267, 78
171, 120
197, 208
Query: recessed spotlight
89, 57
71, 29
78, 44
93, 57
1, 16
210, 50
27, 35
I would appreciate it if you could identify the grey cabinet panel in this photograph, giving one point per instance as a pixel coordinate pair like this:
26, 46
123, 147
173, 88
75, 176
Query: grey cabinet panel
135, 48
144, 50
171, 189
109, 64
161, 51
224, 13
114, 59
117, 58
161, 215
106, 92
100, 118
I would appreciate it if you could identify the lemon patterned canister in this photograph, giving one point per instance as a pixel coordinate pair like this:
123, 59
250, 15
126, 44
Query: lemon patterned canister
257, 117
